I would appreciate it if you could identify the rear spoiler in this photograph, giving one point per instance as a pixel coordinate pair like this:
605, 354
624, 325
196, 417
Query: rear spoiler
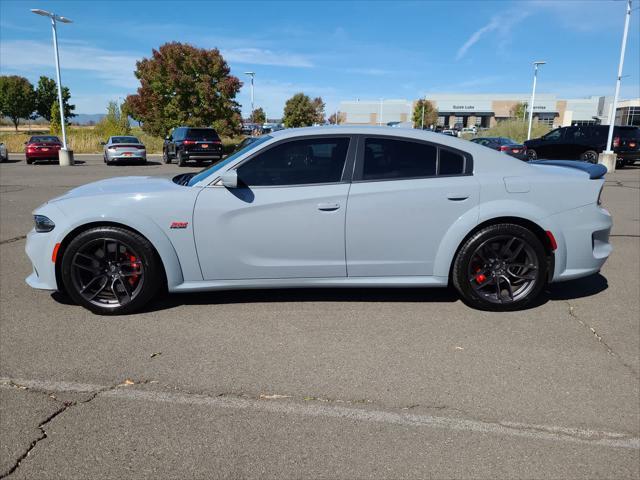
595, 170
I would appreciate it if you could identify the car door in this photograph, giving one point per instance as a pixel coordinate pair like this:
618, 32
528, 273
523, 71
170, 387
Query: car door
405, 196
286, 218
551, 144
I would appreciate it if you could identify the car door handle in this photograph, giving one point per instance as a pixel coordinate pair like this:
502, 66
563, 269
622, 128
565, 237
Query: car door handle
457, 197
328, 207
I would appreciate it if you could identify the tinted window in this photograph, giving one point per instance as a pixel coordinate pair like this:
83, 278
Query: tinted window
451, 163
124, 140
298, 162
207, 134
553, 135
627, 132
390, 159
45, 138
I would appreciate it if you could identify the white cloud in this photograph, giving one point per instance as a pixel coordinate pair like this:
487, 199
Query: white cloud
501, 24
114, 68
259, 56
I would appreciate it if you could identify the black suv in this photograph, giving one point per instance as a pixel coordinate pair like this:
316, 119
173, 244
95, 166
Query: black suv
188, 143
585, 142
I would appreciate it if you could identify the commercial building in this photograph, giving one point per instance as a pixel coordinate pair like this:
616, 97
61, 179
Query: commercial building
485, 110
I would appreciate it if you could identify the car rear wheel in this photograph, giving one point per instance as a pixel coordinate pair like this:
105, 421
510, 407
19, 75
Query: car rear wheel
532, 154
29, 160
111, 270
590, 156
181, 159
500, 268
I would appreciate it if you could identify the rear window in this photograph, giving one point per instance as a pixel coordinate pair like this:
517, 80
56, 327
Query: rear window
627, 132
124, 140
208, 134
45, 138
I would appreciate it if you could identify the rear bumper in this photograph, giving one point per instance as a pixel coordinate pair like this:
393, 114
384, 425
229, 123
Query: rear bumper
117, 157
203, 155
582, 235
49, 155
629, 156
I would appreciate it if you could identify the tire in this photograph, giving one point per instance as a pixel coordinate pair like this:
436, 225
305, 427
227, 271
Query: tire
181, 160
590, 156
532, 154
487, 279
165, 156
111, 270
29, 160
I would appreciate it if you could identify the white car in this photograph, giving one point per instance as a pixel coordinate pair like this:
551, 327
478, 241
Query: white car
328, 207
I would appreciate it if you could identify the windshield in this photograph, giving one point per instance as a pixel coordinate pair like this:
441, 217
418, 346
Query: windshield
241, 151
124, 140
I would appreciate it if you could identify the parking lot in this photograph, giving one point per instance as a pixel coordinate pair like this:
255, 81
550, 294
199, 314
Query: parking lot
317, 383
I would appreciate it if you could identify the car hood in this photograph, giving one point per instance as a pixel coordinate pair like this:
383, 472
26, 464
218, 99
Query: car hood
125, 186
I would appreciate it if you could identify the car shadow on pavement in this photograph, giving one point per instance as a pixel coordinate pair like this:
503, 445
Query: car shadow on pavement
584, 287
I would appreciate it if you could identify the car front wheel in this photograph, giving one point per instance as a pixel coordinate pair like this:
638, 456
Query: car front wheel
500, 268
165, 156
111, 270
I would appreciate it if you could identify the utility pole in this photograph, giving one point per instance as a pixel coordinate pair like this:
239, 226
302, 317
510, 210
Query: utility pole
533, 95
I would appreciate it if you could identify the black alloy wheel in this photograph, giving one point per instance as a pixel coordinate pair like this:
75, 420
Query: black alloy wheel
501, 267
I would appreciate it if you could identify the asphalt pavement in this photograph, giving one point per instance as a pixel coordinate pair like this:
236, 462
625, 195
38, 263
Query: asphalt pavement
317, 383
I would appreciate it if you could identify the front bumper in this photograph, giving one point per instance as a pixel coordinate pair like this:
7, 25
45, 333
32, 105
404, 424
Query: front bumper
39, 248
583, 241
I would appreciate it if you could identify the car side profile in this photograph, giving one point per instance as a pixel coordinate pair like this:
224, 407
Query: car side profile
123, 149
42, 147
187, 143
328, 207
585, 142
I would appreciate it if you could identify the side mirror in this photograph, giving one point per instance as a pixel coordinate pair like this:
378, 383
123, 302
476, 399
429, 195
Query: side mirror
168, 137
230, 179
26, 143
103, 143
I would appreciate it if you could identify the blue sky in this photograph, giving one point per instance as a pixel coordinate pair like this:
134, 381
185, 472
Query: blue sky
337, 50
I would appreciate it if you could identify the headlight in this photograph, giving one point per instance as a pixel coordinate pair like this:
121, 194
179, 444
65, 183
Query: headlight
43, 224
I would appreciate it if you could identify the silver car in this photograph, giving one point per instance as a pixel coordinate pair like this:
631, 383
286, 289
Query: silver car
329, 207
4, 154
124, 149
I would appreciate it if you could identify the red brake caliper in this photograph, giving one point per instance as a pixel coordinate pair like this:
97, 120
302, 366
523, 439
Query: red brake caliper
134, 265
480, 278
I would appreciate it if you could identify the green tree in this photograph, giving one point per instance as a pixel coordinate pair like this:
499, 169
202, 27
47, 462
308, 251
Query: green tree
47, 93
17, 98
258, 116
318, 105
424, 117
115, 122
55, 127
518, 111
184, 85
300, 111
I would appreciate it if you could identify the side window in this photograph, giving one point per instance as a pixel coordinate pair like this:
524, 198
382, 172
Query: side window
392, 159
451, 163
553, 135
298, 162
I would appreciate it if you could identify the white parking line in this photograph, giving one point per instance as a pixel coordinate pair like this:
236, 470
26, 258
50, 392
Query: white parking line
536, 432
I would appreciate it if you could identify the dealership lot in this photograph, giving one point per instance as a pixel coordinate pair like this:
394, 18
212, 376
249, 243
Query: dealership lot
350, 383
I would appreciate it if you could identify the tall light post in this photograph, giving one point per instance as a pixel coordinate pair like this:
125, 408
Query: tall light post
612, 112
252, 75
533, 95
65, 156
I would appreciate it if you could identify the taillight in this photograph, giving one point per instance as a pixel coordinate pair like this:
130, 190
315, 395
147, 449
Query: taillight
503, 148
616, 142
188, 142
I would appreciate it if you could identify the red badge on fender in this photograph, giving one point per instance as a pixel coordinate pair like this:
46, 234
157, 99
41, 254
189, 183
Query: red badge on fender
179, 224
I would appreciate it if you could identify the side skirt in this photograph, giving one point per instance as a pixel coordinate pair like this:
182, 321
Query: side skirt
361, 282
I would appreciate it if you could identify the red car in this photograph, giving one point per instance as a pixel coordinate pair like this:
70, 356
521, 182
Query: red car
42, 147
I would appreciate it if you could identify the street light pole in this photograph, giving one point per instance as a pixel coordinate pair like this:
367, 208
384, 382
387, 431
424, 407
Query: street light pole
66, 156
252, 75
533, 95
612, 112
